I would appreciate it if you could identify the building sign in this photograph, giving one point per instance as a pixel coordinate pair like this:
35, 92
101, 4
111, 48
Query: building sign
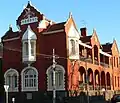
29, 17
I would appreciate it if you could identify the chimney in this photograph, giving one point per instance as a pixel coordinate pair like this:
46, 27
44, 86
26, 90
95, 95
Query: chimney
83, 31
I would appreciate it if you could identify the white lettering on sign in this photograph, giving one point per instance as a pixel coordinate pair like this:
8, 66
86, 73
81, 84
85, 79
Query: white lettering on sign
29, 17
29, 20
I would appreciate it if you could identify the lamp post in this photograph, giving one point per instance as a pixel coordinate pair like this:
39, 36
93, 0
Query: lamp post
6, 87
54, 87
87, 82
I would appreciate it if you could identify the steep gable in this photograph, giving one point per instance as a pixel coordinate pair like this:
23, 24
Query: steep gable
94, 39
107, 48
70, 27
10, 34
115, 50
29, 15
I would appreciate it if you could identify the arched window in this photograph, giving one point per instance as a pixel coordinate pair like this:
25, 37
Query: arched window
72, 46
59, 78
29, 77
11, 79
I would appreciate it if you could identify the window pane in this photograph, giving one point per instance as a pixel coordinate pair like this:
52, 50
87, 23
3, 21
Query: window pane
32, 48
30, 78
73, 46
9, 81
14, 81
26, 48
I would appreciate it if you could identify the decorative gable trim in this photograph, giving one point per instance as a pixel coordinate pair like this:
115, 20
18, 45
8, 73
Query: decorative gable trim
95, 37
114, 45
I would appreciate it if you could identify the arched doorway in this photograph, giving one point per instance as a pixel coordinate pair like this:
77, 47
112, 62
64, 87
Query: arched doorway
108, 80
97, 80
102, 79
90, 78
82, 77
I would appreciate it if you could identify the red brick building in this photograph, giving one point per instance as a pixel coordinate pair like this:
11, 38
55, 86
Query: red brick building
83, 64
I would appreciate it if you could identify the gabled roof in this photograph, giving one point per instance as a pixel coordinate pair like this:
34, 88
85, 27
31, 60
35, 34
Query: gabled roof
107, 47
55, 27
10, 34
32, 8
86, 39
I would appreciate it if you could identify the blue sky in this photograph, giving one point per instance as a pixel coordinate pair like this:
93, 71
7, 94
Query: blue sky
103, 15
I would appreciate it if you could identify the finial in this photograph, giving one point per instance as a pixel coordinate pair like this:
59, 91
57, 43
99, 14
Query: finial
113, 39
10, 27
94, 30
43, 17
29, 2
70, 14
50, 22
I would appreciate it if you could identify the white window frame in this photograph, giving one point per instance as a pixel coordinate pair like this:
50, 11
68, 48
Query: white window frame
73, 49
29, 36
29, 56
11, 72
23, 79
49, 78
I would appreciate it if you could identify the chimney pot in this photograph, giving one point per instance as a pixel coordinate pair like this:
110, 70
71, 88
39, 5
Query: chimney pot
83, 31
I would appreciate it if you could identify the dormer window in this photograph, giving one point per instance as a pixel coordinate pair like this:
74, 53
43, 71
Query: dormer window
29, 46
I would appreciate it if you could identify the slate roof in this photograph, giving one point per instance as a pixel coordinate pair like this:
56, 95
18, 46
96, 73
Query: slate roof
54, 27
107, 47
10, 34
86, 39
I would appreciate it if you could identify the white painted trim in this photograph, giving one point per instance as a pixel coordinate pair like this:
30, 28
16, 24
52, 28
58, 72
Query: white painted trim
22, 80
51, 32
11, 39
12, 71
57, 66
83, 44
49, 87
29, 34
106, 54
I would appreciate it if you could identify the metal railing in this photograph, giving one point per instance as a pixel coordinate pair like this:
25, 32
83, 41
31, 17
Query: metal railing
104, 64
82, 58
96, 62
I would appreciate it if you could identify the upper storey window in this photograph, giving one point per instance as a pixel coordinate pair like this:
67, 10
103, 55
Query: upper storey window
72, 46
26, 48
73, 42
29, 46
32, 48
